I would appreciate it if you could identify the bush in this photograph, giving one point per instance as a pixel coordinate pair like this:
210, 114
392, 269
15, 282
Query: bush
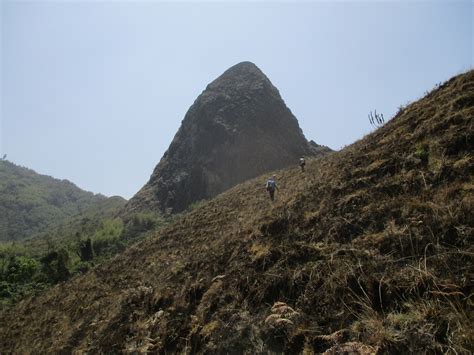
21, 269
139, 224
422, 153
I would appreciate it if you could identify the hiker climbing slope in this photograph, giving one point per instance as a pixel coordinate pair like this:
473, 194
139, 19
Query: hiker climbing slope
271, 186
302, 163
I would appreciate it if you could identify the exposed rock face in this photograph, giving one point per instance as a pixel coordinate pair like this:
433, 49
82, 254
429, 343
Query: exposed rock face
238, 128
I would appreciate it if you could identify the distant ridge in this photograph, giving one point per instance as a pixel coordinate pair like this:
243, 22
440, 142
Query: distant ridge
238, 128
31, 203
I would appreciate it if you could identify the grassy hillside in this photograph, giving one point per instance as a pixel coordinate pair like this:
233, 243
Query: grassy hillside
31, 203
370, 250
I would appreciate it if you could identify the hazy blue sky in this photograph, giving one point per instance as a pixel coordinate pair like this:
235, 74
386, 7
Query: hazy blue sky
95, 91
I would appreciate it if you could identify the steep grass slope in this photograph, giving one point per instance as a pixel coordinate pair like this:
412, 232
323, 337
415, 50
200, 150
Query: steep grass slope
369, 250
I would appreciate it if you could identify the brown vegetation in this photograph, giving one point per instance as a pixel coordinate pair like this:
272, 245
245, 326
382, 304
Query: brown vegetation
370, 250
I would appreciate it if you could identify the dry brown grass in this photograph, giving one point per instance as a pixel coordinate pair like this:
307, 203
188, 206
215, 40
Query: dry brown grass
372, 244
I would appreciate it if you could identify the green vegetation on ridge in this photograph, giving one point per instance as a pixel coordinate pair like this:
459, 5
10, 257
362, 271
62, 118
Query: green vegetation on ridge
31, 203
44, 223
30, 267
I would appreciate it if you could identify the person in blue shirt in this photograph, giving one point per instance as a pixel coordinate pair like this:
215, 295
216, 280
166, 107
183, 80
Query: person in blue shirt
271, 186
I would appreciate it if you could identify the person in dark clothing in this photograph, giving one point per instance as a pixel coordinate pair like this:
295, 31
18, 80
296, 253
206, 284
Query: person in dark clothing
302, 163
271, 186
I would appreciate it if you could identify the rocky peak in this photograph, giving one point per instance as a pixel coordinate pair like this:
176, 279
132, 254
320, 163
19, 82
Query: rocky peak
238, 128
242, 77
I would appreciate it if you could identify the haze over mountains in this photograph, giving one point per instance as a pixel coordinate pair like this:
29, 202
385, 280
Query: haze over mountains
370, 250
237, 129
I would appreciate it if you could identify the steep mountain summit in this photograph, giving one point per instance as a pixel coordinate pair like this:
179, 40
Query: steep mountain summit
238, 128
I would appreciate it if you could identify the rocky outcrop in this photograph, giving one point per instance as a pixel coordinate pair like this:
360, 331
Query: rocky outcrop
238, 128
